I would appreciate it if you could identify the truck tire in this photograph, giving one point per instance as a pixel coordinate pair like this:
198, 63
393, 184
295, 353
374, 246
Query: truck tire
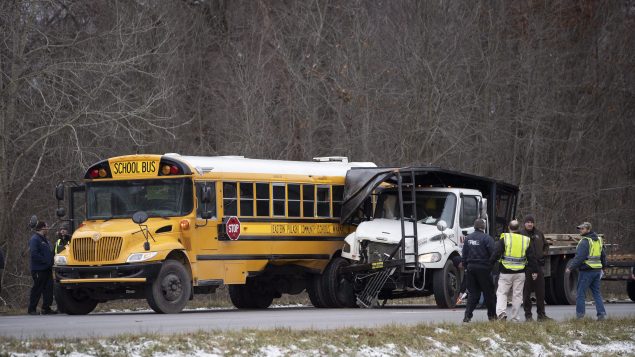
315, 291
251, 295
170, 290
338, 292
565, 284
550, 291
73, 301
445, 284
630, 289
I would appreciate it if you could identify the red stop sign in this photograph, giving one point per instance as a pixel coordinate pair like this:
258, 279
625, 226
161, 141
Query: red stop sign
232, 228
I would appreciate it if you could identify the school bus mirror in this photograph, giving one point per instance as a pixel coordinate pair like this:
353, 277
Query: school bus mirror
140, 217
33, 221
207, 195
60, 212
206, 215
59, 192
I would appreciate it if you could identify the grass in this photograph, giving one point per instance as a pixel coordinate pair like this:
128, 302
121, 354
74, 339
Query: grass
581, 337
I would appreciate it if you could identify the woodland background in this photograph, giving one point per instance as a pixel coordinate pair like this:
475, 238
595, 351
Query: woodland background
537, 93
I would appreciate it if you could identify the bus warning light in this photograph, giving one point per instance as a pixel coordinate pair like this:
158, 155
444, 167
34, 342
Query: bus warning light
174, 170
94, 173
165, 169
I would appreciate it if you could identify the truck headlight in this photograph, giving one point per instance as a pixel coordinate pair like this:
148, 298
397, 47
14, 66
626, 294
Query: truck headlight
140, 257
429, 257
60, 260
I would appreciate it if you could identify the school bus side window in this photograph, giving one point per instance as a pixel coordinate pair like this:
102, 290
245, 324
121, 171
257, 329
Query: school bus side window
308, 201
338, 194
230, 198
324, 201
246, 199
279, 199
293, 191
262, 199
211, 206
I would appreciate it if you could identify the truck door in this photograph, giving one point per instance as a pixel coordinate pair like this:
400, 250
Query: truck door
469, 211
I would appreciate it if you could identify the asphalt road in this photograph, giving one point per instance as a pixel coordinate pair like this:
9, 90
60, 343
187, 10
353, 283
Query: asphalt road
112, 324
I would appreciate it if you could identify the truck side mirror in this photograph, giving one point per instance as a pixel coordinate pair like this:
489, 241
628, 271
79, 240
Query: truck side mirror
442, 226
59, 192
483, 207
140, 217
206, 215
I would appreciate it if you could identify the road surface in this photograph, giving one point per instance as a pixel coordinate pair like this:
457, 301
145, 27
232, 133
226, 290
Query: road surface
112, 324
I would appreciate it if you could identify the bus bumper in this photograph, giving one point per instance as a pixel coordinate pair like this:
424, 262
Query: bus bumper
107, 274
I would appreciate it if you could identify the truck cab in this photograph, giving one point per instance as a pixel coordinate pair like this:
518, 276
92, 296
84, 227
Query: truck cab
416, 225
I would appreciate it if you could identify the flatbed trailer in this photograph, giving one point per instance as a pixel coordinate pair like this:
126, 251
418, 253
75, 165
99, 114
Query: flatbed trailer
560, 286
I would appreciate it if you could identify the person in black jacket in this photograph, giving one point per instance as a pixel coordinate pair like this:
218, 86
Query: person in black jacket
41, 270
477, 250
540, 248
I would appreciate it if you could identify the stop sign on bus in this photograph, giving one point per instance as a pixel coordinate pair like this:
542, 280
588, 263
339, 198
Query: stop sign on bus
232, 228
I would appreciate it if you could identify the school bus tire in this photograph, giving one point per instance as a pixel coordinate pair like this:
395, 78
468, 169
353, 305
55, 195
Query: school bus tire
169, 292
73, 301
315, 291
446, 285
630, 289
338, 291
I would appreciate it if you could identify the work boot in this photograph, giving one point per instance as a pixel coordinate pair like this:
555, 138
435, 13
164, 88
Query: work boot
544, 318
491, 318
49, 312
502, 316
34, 312
601, 317
467, 319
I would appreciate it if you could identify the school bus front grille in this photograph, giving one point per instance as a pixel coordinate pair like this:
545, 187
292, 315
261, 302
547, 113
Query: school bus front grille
85, 249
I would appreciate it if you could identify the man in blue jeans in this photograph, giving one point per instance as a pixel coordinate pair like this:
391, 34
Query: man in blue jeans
589, 259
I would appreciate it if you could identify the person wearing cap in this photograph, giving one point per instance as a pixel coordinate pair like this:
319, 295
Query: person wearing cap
538, 244
41, 270
477, 250
63, 238
589, 260
512, 250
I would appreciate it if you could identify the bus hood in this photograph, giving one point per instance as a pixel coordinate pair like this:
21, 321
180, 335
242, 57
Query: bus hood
124, 227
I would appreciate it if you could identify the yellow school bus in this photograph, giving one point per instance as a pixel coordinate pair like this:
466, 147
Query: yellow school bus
164, 227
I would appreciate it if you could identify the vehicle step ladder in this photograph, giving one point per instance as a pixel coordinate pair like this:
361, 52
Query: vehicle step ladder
406, 182
368, 297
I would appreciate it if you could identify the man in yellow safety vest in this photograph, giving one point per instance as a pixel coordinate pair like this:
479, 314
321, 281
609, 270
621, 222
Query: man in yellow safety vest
589, 259
512, 252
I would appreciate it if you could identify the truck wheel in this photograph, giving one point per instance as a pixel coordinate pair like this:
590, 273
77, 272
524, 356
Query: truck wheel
171, 289
565, 284
630, 289
445, 284
73, 301
338, 291
551, 297
315, 291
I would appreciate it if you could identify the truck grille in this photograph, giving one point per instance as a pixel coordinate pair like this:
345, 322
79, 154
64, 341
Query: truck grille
85, 249
378, 252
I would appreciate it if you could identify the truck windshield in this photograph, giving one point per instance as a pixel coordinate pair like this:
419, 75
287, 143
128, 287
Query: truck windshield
121, 199
431, 206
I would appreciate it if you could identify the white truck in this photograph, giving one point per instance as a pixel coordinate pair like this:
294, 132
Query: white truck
411, 222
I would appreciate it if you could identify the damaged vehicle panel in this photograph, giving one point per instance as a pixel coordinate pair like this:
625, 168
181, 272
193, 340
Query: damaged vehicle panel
411, 224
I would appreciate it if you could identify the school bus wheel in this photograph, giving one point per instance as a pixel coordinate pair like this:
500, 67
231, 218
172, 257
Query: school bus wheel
338, 291
170, 291
315, 291
73, 301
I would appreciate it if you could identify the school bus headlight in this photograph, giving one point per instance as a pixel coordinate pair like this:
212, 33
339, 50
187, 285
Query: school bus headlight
60, 260
140, 257
429, 257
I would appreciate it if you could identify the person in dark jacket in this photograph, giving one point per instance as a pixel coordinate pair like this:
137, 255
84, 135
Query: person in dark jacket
589, 260
41, 270
540, 249
512, 250
477, 250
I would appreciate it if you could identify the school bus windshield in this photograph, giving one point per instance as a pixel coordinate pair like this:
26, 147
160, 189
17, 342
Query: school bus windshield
121, 199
